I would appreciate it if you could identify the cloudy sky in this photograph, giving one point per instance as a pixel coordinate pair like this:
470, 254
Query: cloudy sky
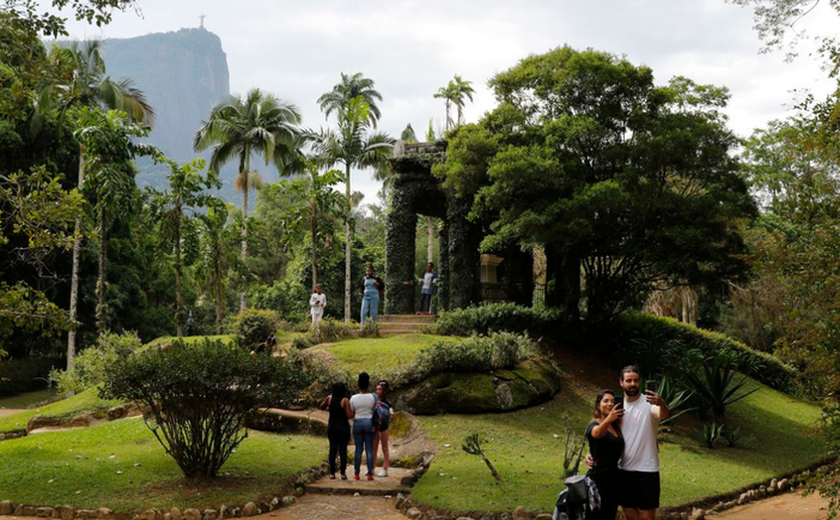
297, 49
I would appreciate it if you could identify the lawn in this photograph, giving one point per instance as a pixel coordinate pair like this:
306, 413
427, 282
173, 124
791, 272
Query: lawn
82, 402
527, 448
28, 399
122, 466
373, 354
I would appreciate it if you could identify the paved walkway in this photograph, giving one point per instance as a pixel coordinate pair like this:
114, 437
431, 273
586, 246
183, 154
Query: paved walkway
789, 506
398, 481
336, 507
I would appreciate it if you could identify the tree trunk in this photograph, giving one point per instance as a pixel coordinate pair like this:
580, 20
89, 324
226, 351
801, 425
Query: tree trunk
178, 307
217, 269
74, 277
314, 227
430, 248
347, 248
460, 113
101, 306
243, 304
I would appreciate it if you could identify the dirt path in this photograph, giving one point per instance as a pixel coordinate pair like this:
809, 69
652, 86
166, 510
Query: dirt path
789, 506
4, 412
336, 507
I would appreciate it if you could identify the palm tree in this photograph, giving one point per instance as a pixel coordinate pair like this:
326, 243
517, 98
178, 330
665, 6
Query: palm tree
354, 147
447, 94
350, 87
460, 90
237, 128
85, 84
453, 94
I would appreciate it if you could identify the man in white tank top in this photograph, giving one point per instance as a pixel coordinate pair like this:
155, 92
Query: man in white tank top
639, 463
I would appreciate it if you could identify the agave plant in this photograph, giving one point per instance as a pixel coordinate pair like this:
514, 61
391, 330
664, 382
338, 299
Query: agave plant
716, 384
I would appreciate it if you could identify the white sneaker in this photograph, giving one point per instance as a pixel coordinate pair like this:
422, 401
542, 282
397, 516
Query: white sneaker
382, 473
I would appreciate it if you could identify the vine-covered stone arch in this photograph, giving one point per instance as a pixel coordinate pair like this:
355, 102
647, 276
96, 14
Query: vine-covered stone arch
417, 191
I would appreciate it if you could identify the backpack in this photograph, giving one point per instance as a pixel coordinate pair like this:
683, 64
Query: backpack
381, 416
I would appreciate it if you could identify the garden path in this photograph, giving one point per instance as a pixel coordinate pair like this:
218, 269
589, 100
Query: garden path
4, 412
788, 506
335, 507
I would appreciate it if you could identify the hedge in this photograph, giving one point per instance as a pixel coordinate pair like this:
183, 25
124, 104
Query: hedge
495, 317
644, 335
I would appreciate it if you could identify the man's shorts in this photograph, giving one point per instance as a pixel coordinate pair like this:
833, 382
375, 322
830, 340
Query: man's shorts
638, 489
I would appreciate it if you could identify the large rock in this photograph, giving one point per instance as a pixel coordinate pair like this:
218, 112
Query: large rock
7, 508
250, 509
521, 514
532, 382
192, 514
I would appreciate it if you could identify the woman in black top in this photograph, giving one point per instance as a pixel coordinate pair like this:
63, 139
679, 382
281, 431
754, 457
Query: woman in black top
606, 445
338, 428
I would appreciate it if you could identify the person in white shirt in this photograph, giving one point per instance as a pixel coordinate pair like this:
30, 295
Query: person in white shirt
317, 302
427, 289
638, 478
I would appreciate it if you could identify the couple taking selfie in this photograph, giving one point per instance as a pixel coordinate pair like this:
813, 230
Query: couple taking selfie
623, 455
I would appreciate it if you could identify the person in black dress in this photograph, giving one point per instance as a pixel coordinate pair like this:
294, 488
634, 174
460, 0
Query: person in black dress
606, 444
338, 427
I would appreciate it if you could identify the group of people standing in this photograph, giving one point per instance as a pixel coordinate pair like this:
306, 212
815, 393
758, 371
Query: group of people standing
623, 455
371, 413
372, 290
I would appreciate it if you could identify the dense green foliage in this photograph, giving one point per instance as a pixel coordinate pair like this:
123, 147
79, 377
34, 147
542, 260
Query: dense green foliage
89, 367
199, 395
27, 374
667, 345
253, 326
496, 317
585, 155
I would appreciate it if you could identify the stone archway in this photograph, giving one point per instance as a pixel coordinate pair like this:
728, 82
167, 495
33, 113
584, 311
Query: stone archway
417, 192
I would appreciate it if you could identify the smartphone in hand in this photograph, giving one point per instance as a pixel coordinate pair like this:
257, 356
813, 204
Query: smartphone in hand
651, 385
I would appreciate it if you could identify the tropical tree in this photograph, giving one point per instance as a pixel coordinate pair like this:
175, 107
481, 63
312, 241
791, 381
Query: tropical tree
214, 234
258, 123
176, 210
353, 146
461, 89
109, 149
446, 93
84, 83
350, 87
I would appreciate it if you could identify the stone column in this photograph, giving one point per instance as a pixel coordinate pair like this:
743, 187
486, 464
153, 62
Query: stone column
399, 255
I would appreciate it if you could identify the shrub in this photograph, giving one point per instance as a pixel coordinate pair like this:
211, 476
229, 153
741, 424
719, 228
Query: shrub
495, 317
89, 366
714, 383
472, 354
27, 374
711, 433
320, 373
198, 396
252, 326
732, 434
668, 344
330, 330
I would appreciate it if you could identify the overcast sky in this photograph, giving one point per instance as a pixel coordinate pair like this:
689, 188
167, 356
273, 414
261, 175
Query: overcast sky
297, 49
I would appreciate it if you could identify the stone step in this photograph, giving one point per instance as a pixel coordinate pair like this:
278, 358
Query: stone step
393, 332
399, 480
414, 318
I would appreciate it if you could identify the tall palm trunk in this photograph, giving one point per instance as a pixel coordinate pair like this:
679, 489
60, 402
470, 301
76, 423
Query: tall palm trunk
74, 277
178, 305
430, 248
243, 304
313, 215
347, 248
448, 116
460, 113
101, 305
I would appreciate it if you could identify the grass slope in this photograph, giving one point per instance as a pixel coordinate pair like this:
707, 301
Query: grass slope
527, 448
122, 466
371, 354
82, 402
227, 338
28, 399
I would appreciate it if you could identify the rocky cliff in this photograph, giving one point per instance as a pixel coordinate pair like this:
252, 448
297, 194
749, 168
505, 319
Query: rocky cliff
183, 74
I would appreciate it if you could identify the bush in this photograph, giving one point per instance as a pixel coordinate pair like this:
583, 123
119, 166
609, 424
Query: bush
89, 366
472, 354
27, 374
253, 326
496, 317
714, 383
198, 397
669, 345
330, 330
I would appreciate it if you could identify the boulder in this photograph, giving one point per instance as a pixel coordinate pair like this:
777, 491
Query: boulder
250, 509
66, 512
44, 512
211, 514
532, 382
288, 500
192, 514
697, 514
104, 513
85, 513
414, 514
224, 512
521, 514
18, 510
7, 508
29, 510
175, 513
783, 484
